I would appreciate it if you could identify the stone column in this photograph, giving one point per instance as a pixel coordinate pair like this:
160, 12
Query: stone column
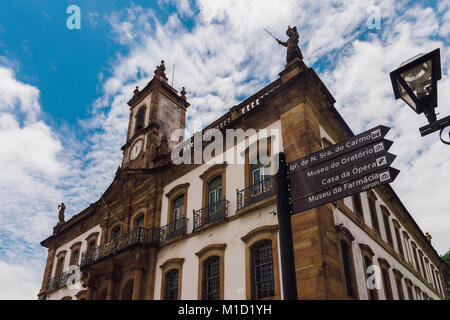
92, 284
47, 273
317, 262
137, 282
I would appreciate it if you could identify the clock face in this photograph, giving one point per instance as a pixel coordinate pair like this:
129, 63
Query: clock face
136, 149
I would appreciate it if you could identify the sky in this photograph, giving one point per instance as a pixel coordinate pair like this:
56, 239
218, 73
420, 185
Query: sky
63, 94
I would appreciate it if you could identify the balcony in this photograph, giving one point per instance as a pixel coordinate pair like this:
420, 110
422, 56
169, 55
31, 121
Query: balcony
211, 214
138, 236
255, 193
60, 280
174, 229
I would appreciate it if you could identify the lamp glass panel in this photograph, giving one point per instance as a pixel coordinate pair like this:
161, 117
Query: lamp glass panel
418, 79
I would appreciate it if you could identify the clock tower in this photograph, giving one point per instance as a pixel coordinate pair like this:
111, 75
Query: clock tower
155, 112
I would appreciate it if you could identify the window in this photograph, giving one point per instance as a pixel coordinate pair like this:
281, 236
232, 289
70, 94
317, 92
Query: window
398, 238
347, 269
262, 270
177, 209
373, 213
261, 259
214, 180
346, 239
215, 190
357, 207
140, 119
414, 249
211, 278
91, 245
127, 290
75, 254
409, 290
59, 266
171, 288
259, 176
421, 263
384, 265
387, 225
367, 255
138, 221
418, 292
115, 233
398, 283
171, 272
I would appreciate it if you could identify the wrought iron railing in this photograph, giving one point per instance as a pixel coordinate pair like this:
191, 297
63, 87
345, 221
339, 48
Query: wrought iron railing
139, 235
174, 229
255, 193
211, 214
60, 280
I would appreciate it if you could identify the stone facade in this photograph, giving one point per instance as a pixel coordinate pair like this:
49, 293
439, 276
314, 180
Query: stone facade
133, 246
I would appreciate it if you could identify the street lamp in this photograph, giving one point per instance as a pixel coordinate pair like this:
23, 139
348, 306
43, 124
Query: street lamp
415, 81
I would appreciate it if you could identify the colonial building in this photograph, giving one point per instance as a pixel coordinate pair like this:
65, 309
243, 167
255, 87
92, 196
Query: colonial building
209, 230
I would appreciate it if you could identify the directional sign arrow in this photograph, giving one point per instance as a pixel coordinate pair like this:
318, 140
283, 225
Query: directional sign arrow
302, 186
348, 159
346, 189
335, 150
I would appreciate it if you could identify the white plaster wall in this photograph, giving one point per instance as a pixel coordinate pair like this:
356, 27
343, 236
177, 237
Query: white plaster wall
229, 233
380, 252
60, 293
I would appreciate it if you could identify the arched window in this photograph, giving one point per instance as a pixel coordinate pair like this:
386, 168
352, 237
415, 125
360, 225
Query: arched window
140, 119
75, 255
373, 211
138, 221
215, 190
171, 285
214, 196
387, 225
262, 269
177, 209
259, 174
211, 278
384, 265
115, 232
127, 290
347, 263
59, 266
399, 284
91, 245
367, 255
346, 239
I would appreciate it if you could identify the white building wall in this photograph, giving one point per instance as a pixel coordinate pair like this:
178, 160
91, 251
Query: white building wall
229, 233
63, 292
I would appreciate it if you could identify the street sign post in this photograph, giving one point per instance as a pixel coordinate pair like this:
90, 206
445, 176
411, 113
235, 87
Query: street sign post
355, 165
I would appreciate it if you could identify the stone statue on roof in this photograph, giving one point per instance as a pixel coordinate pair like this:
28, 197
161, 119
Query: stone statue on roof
62, 208
293, 50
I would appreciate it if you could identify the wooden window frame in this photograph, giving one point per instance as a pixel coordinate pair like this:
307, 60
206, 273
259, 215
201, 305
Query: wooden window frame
415, 253
358, 213
345, 235
424, 272
113, 227
387, 286
269, 232
248, 173
92, 237
387, 225
135, 217
174, 263
409, 289
373, 213
60, 256
398, 238
172, 195
367, 253
73, 247
407, 246
398, 276
208, 175
418, 292
209, 251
